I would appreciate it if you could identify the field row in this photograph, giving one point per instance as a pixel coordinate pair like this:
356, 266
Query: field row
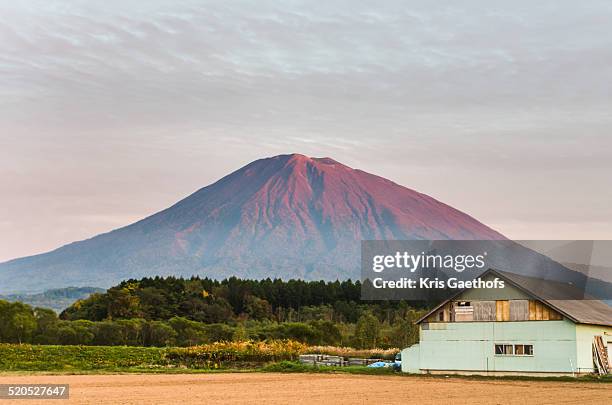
24, 357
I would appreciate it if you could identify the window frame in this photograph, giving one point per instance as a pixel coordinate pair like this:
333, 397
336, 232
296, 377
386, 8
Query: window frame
504, 346
524, 354
513, 347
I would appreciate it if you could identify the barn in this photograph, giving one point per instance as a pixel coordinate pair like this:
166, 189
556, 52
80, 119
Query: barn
516, 330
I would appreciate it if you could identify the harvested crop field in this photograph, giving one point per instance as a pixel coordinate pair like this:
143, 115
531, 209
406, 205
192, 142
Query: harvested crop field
272, 388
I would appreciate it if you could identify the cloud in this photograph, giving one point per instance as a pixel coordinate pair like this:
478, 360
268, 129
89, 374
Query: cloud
172, 95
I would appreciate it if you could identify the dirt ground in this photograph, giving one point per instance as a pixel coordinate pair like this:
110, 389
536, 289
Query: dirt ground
309, 388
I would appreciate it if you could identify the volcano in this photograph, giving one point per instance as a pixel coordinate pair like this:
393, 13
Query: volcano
288, 216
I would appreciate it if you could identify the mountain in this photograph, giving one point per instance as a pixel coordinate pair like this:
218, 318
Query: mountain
56, 299
288, 216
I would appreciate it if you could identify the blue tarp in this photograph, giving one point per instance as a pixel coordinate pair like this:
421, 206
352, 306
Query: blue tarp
380, 364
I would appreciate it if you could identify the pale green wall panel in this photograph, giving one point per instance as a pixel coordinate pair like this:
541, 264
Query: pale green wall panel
411, 358
469, 346
584, 343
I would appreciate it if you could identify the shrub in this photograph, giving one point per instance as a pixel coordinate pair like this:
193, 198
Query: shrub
219, 354
387, 354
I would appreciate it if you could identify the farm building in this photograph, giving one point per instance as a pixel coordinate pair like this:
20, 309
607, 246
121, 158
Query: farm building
513, 330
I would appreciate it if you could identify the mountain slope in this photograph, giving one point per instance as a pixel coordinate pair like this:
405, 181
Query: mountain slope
56, 299
288, 216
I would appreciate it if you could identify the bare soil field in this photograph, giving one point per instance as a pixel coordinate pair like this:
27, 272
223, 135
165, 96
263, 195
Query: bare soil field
271, 388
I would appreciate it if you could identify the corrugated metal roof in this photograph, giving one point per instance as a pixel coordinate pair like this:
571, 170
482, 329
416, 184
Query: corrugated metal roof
565, 298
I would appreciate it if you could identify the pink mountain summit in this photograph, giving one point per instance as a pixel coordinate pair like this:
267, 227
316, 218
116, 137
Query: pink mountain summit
288, 216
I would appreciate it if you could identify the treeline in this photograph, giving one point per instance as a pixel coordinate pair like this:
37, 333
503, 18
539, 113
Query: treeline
233, 299
20, 323
183, 312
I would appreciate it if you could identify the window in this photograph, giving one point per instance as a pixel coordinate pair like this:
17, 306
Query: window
513, 350
441, 316
523, 350
464, 311
503, 350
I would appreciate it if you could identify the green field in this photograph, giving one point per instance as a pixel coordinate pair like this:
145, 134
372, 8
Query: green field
24, 357
78, 358
274, 356
215, 356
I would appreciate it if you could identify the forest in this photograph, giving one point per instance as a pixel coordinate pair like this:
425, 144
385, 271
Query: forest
170, 311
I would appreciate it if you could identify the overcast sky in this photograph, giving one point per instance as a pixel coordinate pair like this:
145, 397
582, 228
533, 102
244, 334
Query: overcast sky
111, 111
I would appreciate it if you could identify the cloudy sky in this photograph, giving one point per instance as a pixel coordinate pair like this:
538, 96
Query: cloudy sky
111, 111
